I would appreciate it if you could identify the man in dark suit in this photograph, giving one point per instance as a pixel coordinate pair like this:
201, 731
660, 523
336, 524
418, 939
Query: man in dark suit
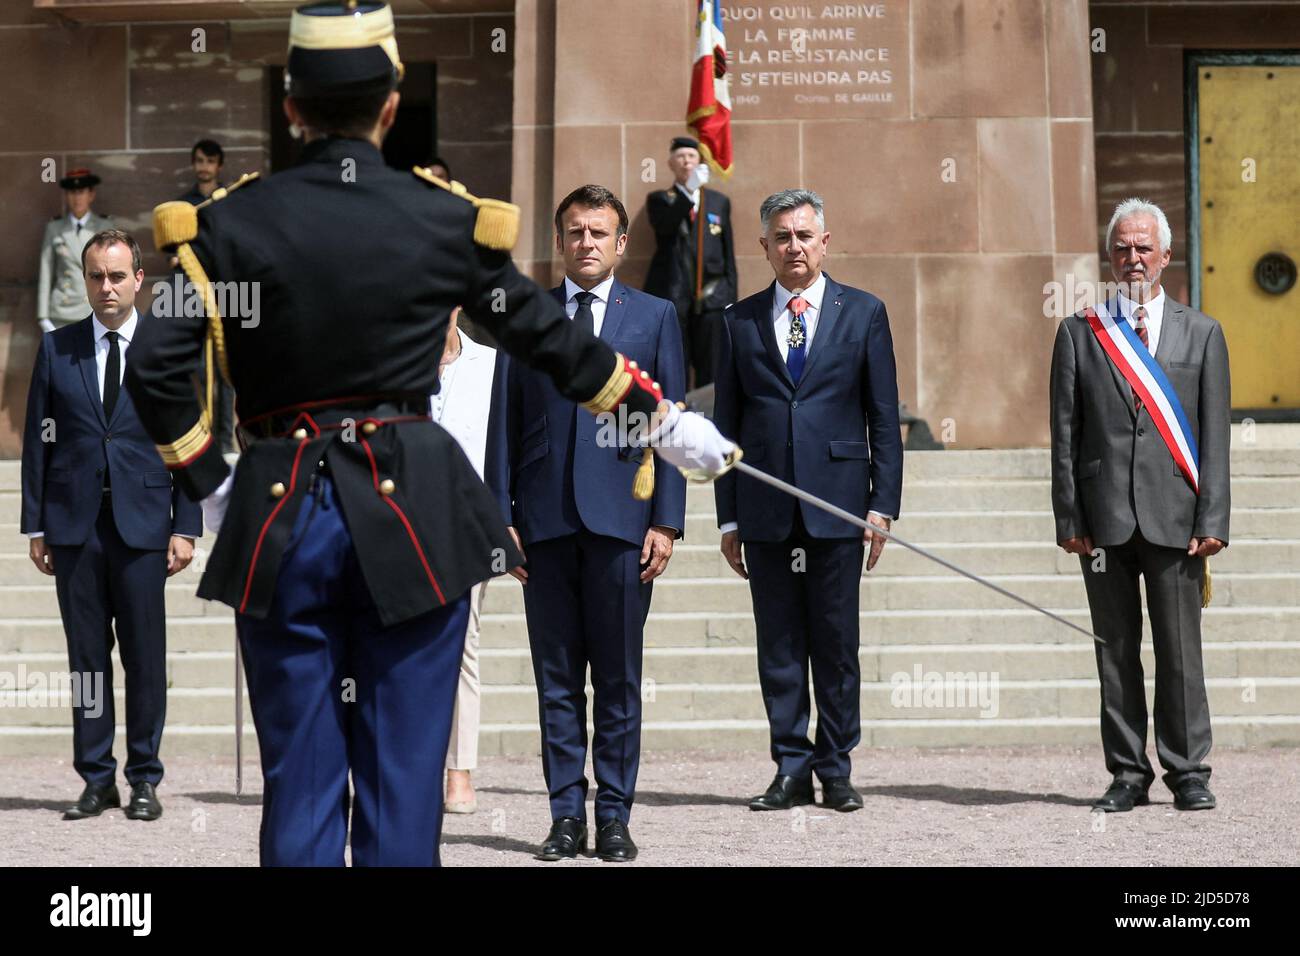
694, 265
805, 383
592, 550
1126, 506
106, 521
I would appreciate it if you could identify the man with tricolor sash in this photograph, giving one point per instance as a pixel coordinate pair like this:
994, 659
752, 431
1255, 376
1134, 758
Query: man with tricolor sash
1140, 488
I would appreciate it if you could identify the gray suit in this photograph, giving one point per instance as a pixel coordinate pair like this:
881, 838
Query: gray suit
61, 289
1114, 480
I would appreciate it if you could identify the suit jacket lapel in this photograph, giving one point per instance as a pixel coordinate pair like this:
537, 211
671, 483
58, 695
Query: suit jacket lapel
832, 306
767, 331
88, 373
615, 310
1173, 326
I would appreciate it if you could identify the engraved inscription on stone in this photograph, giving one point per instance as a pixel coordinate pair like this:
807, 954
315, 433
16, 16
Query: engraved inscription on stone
818, 60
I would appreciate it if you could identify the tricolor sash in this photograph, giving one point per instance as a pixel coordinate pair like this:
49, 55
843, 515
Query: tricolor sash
1149, 381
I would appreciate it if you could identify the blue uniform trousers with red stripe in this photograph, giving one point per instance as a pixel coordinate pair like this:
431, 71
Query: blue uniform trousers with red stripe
333, 692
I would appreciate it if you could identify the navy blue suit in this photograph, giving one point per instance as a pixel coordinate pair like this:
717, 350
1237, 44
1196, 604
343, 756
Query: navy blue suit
569, 495
835, 434
109, 549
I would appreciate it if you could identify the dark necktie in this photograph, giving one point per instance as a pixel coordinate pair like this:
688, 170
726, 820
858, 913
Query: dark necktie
584, 318
797, 342
1140, 326
112, 374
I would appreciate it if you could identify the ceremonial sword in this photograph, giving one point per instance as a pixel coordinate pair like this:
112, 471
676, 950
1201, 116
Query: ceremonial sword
853, 519
239, 719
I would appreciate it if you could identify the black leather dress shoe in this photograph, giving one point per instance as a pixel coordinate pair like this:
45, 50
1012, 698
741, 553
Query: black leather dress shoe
784, 793
568, 838
1121, 797
144, 803
1193, 794
614, 842
94, 801
838, 794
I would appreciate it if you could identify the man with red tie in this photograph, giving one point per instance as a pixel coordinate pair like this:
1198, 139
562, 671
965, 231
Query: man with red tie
804, 377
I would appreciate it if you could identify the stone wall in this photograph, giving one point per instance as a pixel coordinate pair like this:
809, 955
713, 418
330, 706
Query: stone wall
130, 99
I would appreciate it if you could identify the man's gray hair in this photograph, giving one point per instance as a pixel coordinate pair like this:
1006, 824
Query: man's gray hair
788, 199
1140, 207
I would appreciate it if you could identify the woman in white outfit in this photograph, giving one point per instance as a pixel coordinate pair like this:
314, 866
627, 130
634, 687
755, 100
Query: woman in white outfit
462, 407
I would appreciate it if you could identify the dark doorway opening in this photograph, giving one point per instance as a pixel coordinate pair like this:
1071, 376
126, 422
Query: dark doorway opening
411, 142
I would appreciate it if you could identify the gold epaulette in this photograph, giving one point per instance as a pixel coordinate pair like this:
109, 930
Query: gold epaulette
175, 226
178, 221
496, 225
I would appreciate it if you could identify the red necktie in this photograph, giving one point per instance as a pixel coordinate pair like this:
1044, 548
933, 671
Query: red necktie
1140, 326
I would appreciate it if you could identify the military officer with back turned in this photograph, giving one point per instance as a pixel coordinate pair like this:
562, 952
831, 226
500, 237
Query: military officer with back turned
353, 526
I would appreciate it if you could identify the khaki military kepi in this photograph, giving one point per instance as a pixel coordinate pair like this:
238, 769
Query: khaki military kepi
356, 283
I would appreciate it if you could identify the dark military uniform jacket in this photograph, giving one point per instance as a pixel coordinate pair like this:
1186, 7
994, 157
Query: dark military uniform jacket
672, 270
343, 274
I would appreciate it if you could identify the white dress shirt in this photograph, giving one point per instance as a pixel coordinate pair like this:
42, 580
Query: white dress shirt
79, 223
125, 334
781, 319
598, 304
1155, 316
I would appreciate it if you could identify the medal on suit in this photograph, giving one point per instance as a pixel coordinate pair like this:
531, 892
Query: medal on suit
796, 337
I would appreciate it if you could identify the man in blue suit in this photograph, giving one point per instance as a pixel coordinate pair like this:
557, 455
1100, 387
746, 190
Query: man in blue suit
805, 383
592, 550
105, 520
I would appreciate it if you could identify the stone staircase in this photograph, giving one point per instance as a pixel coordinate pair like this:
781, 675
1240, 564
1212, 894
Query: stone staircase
932, 643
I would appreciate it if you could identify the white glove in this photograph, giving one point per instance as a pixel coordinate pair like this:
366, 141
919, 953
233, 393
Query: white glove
46, 325
697, 178
214, 505
691, 442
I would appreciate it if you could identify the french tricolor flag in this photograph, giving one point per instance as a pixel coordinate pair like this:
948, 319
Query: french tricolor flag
708, 113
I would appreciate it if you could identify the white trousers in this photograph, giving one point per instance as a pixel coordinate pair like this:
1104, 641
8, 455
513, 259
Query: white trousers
462, 750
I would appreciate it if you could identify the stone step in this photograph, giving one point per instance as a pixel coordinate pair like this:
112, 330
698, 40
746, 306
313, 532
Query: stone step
982, 557
928, 529
978, 494
920, 592
1273, 449
1222, 624
934, 697
957, 527
512, 666
40, 600
1014, 625
715, 735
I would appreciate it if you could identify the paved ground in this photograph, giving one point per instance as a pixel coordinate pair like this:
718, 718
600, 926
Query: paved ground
1003, 806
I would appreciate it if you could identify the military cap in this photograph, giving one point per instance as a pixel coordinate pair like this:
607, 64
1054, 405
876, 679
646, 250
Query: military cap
343, 48
684, 142
79, 179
